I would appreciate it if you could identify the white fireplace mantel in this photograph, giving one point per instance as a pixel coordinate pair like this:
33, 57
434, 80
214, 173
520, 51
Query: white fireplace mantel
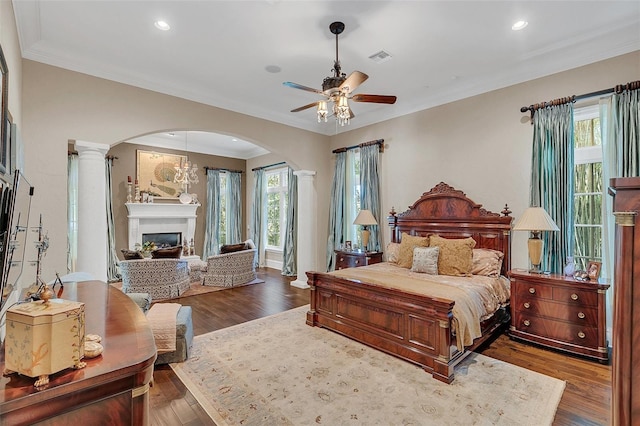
151, 218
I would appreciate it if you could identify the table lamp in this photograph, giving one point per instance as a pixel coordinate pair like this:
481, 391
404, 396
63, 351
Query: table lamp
365, 218
536, 220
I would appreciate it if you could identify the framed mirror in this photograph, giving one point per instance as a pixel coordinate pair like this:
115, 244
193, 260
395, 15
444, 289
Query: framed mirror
15, 205
4, 114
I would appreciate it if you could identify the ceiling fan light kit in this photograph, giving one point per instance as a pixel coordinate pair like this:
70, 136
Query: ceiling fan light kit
338, 89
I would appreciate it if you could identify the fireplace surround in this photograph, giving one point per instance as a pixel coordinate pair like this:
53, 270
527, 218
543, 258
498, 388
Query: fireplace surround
160, 218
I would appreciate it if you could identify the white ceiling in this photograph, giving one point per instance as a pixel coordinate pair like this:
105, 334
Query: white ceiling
218, 52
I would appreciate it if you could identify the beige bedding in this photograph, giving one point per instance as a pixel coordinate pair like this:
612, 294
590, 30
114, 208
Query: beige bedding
476, 298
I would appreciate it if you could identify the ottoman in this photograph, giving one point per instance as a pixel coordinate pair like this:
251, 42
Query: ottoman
184, 338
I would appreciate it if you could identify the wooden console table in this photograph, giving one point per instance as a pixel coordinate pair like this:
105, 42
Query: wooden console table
111, 389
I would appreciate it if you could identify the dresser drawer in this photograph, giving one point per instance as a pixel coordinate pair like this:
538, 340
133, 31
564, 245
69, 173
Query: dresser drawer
525, 289
581, 315
575, 296
347, 261
557, 330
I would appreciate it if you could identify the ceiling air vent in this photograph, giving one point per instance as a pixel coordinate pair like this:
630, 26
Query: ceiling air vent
380, 57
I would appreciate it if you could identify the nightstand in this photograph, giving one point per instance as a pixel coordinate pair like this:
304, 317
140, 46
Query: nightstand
559, 312
353, 259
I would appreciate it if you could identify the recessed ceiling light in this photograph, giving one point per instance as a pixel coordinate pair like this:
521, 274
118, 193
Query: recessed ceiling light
273, 69
162, 25
519, 25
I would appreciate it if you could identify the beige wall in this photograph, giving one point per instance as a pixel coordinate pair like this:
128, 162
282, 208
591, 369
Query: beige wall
11, 51
62, 105
125, 165
481, 145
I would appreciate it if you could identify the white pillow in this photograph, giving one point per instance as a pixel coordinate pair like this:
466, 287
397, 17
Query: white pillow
425, 260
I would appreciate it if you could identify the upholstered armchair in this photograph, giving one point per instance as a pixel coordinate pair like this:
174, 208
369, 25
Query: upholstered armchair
161, 278
230, 269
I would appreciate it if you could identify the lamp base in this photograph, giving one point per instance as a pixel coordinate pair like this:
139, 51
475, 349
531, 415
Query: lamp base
364, 235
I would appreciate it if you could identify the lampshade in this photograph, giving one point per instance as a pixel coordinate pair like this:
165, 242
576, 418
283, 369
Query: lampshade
535, 219
365, 217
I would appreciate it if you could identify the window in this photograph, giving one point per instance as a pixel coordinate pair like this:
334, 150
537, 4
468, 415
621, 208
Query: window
277, 201
588, 188
352, 197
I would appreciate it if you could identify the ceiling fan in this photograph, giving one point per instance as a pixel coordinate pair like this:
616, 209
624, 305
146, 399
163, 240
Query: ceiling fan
339, 89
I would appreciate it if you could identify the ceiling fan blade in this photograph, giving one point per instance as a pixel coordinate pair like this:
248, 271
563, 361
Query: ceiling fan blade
378, 99
302, 108
301, 87
354, 80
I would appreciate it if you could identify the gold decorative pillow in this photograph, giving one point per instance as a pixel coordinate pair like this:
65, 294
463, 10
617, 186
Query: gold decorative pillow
487, 262
408, 243
393, 252
456, 255
425, 260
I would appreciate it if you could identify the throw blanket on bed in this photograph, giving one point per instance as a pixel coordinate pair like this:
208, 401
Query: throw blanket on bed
162, 318
476, 298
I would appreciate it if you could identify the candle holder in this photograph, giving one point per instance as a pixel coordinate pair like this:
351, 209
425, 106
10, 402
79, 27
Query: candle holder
137, 190
129, 195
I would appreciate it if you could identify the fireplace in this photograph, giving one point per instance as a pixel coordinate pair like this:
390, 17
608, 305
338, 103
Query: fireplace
163, 239
161, 219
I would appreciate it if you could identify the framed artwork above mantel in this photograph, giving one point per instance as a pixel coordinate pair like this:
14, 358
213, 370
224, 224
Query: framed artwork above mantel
155, 173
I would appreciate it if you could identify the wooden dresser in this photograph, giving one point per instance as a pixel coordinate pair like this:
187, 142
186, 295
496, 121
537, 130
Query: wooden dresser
625, 369
112, 389
559, 312
353, 259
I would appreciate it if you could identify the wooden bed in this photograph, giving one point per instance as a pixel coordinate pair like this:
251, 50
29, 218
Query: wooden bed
413, 327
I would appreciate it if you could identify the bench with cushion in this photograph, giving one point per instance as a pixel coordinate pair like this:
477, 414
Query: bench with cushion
184, 338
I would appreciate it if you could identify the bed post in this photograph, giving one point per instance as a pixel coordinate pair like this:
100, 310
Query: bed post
393, 222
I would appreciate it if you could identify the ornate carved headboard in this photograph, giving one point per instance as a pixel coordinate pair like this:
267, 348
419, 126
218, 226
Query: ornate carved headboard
448, 212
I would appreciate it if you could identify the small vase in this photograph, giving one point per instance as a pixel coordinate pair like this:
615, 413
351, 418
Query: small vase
570, 267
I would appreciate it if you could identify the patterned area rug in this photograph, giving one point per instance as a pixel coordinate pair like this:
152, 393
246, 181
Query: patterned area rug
280, 371
196, 288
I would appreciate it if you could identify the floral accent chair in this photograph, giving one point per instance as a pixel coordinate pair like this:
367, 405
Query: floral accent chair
230, 269
161, 278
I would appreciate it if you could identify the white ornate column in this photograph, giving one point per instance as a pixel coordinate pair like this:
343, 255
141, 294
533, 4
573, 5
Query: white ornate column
92, 215
307, 226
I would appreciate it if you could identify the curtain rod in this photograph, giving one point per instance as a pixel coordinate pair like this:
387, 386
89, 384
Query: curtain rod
379, 142
560, 101
222, 169
270, 165
106, 156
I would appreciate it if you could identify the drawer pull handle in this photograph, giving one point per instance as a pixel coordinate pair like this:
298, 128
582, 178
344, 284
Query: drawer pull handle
532, 290
527, 305
581, 315
574, 296
526, 322
581, 335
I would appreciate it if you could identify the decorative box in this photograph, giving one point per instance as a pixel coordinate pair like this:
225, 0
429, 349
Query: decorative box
42, 339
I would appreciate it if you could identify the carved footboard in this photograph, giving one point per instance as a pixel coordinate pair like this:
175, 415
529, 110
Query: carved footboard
412, 327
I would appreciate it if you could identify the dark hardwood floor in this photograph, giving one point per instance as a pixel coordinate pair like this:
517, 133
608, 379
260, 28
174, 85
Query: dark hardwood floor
586, 399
